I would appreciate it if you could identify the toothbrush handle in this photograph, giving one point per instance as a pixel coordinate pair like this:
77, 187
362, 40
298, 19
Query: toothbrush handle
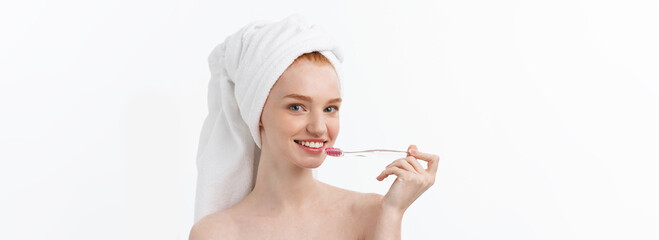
376, 150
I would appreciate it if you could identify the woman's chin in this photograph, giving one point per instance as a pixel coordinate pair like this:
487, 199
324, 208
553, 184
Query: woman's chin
310, 163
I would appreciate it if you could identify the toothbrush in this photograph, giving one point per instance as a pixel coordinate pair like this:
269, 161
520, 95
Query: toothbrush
337, 152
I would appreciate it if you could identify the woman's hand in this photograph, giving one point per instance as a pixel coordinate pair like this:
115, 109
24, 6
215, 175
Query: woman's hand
412, 179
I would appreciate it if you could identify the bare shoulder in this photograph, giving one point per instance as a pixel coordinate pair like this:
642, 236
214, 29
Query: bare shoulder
372, 200
363, 207
359, 201
365, 210
218, 225
368, 204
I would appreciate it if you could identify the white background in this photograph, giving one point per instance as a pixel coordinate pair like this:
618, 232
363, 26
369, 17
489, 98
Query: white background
544, 113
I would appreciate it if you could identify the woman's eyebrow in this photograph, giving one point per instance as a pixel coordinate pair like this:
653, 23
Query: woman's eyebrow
308, 99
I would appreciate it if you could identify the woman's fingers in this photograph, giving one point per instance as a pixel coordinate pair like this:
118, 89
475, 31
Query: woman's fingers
432, 159
410, 164
413, 160
415, 163
404, 164
391, 170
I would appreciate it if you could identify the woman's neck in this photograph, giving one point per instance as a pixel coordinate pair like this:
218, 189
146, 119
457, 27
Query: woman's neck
282, 187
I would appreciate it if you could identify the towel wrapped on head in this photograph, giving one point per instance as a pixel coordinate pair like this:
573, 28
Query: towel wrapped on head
243, 70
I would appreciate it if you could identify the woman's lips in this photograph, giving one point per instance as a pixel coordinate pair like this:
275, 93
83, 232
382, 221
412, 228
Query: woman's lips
312, 150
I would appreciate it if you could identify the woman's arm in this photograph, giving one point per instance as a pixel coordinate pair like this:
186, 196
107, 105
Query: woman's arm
387, 224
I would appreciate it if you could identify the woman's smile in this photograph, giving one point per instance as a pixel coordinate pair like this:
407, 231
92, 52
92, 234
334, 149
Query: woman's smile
314, 147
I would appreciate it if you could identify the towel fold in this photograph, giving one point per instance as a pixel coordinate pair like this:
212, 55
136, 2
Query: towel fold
243, 70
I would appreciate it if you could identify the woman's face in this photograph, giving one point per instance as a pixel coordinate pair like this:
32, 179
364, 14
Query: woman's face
302, 106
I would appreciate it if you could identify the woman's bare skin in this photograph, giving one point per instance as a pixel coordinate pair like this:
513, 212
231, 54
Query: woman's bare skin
341, 214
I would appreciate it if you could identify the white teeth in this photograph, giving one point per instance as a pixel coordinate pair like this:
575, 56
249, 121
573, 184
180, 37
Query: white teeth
312, 144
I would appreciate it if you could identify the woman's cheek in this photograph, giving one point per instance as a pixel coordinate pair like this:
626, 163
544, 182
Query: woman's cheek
334, 129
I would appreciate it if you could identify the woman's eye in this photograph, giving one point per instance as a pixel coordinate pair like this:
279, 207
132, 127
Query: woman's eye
335, 108
293, 107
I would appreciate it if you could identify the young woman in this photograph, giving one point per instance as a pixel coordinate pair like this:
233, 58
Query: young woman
302, 108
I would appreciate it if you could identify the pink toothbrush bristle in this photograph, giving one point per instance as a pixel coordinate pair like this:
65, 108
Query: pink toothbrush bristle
334, 152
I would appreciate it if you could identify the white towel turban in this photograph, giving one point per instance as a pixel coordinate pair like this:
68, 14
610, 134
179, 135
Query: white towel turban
243, 70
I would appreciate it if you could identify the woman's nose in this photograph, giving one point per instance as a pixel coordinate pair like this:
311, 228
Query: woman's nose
316, 125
